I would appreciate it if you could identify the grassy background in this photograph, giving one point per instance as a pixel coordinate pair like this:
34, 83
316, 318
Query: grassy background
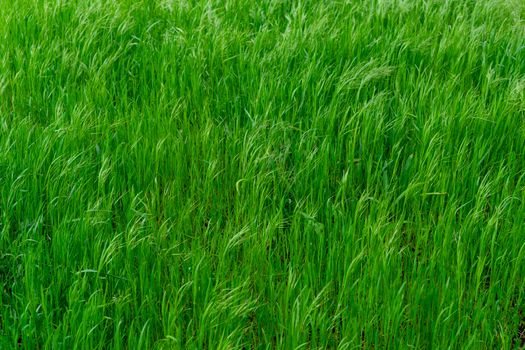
262, 174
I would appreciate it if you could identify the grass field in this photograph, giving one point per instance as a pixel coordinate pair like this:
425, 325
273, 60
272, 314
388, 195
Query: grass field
268, 174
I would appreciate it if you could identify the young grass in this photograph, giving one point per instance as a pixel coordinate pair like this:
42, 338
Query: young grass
269, 174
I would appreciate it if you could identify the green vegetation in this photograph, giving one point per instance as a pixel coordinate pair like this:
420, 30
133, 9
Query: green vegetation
245, 174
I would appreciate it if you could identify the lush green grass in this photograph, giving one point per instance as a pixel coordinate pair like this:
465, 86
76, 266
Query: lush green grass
262, 174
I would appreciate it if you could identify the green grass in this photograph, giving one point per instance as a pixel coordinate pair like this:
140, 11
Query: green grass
268, 174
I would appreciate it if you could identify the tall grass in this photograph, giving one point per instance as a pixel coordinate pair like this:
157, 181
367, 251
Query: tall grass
262, 174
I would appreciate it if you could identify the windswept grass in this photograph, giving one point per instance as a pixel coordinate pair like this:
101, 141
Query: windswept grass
247, 174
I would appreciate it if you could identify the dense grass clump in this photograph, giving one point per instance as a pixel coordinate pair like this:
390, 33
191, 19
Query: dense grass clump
238, 174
